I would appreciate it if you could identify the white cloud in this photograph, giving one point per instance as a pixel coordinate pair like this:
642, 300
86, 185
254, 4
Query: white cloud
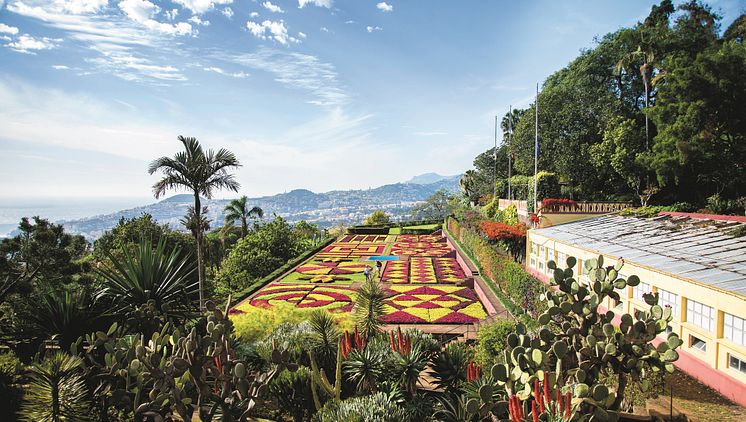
5, 29
5, 38
60, 67
28, 44
350, 22
319, 3
272, 7
373, 28
199, 7
385, 7
298, 71
143, 11
122, 45
302, 35
254, 14
227, 12
223, 72
197, 21
325, 29
81, 6
268, 29
171, 14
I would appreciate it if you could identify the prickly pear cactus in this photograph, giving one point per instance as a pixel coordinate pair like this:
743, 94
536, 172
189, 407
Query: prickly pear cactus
190, 374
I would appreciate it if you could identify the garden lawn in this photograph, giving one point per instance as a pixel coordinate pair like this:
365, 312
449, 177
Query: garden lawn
431, 227
432, 304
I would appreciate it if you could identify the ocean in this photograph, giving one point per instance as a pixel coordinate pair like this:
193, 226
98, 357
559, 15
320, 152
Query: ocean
60, 209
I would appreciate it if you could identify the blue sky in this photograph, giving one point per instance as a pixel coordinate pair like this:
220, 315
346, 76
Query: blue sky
317, 94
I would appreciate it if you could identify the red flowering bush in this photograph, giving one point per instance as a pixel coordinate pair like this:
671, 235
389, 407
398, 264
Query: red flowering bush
551, 204
495, 230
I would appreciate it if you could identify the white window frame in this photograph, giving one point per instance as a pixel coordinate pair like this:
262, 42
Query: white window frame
740, 364
532, 262
698, 344
639, 290
666, 298
561, 259
701, 315
734, 329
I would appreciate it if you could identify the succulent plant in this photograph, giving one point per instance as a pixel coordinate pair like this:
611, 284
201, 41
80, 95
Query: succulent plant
191, 374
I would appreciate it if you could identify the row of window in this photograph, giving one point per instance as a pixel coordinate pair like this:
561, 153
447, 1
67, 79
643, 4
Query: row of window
734, 362
699, 314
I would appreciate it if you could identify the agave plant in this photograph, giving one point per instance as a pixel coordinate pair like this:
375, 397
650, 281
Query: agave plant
325, 334
364, 368
449, 367
63, 317
409, 365
57, 391
151, 278
376, 407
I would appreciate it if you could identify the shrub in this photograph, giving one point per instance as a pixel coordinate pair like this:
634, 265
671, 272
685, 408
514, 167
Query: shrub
376, 407
491, 341
252, 323
10, 367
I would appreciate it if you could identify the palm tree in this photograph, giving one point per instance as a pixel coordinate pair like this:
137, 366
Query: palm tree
237, 209
370, 307
201, 172
646, 72
57, 391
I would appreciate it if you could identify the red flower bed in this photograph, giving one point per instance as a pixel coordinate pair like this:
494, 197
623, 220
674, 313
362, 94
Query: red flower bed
495, 230
554, 203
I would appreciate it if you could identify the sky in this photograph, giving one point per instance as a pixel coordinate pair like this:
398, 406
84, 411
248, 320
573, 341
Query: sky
314, 94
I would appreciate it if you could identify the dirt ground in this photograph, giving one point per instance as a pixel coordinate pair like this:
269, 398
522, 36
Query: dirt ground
694, 401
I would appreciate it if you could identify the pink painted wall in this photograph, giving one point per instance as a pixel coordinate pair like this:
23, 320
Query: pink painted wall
483, 298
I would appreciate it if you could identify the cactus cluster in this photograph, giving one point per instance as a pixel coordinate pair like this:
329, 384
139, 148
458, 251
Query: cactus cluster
582, 346
193, 374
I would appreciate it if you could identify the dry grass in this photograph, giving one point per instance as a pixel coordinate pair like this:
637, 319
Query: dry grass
694, 401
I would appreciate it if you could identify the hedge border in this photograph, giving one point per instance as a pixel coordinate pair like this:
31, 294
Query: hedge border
243, 294
384, 228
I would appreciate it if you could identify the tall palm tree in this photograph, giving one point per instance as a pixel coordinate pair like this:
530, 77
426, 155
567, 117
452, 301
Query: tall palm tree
201, 172
646, 72
237, 209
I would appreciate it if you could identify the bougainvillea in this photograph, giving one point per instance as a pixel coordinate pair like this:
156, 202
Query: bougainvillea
336, 298
426, 304
495, 230
552, 204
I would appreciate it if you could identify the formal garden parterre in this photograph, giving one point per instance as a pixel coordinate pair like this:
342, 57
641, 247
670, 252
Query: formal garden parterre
423, 281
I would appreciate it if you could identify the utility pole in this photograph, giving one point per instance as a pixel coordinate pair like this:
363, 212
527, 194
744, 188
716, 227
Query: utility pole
494, 178
510, 149
536, 149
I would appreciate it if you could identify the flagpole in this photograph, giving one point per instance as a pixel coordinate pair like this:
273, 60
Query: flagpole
494, 179
510, 149
536, 149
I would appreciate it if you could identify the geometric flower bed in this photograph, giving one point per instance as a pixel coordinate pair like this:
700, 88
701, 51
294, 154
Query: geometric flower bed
332, 298
358, 238
327, 270
432, 304
353, 249
422, 245
423, 270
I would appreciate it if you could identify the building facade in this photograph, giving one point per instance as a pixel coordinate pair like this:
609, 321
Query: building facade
694, 265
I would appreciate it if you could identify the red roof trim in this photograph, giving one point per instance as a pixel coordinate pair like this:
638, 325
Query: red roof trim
717, 217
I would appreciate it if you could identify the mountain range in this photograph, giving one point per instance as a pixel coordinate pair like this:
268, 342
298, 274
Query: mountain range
325, 209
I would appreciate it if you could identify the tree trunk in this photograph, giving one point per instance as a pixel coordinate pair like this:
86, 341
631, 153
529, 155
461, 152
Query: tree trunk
646, 71
244, 227
621, 386
198, 238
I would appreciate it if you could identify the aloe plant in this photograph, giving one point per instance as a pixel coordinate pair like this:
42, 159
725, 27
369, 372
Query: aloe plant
57, 392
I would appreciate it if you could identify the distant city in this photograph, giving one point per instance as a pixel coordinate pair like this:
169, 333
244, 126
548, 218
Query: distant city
324, 209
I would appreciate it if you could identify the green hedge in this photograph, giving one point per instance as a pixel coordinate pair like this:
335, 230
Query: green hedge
384, 228
518, 289
243, 294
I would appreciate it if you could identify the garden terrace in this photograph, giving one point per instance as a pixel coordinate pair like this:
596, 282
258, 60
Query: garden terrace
421, 276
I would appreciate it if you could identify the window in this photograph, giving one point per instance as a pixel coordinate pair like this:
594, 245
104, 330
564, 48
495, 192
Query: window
561, 260
737, 363
618, 304
700, 315
671, 300
733, 329
697, 343
550, 254
541, 252
541, 265
533, 262
640, 290
534, 248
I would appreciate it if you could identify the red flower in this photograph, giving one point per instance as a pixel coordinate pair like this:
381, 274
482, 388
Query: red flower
554, 203
495, 230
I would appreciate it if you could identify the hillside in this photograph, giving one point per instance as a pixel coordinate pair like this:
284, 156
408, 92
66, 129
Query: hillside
325, 209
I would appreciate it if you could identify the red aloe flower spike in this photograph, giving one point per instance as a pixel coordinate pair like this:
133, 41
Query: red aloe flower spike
357, 339
546, 395
537, 396
534, 412
520, 408
568, 406
391, 341
512, 409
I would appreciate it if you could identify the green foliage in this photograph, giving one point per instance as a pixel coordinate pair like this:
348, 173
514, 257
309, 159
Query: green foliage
523, 186
364, 368
436, 207
10, 369
369, 307
128, 233
448, 367
255, 323
377, 407
719, 205
150, 278
238, 210
57, 391
259, 253
492, 340
63, 317
292, 390
377, 218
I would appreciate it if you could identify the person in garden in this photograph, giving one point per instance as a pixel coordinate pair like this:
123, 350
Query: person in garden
367, 272
379, 265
